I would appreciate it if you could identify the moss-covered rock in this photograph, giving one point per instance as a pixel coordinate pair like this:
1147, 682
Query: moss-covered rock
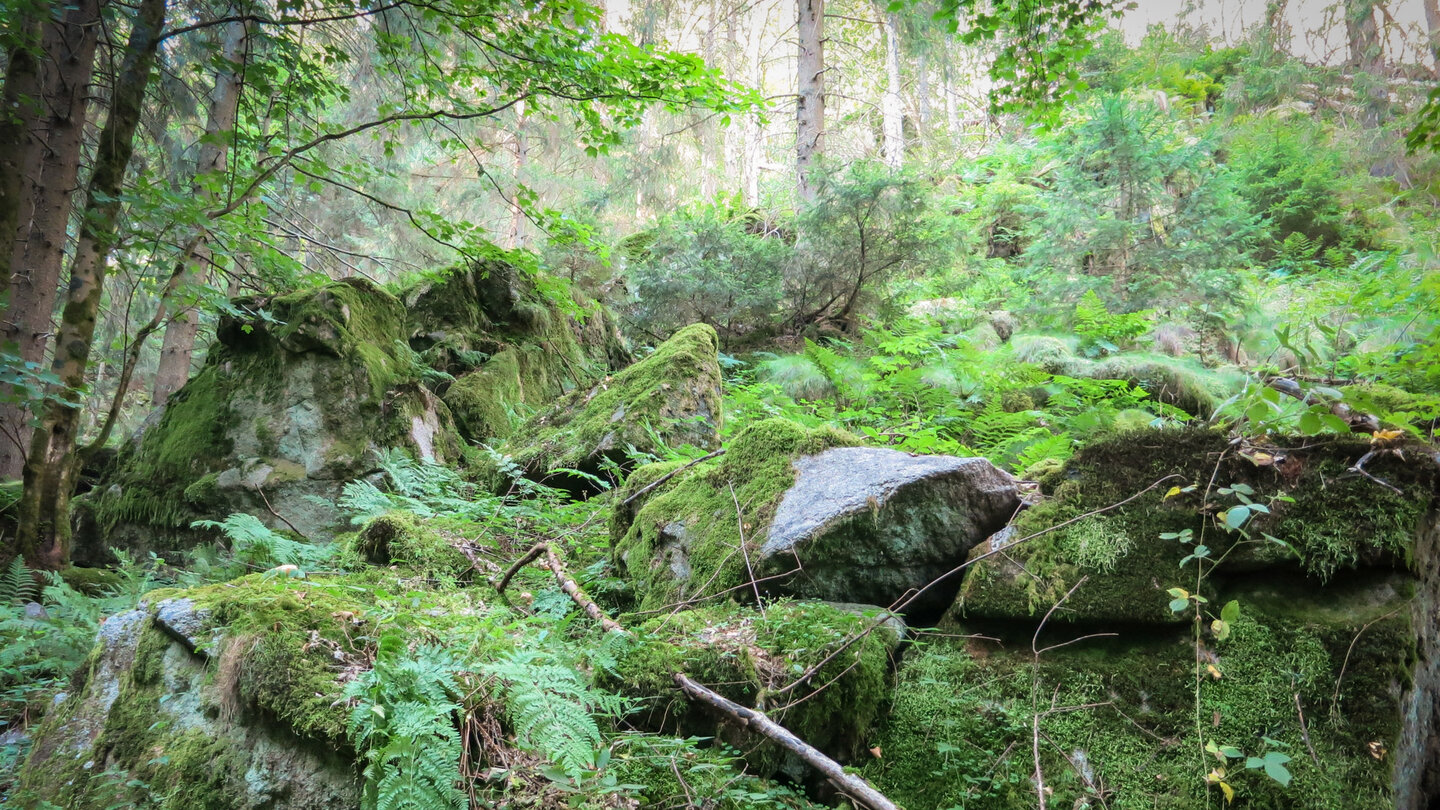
403, 539
820, 518
286, 410
671, 398
298, 399
243, 725
1332, 518
1306, 667
681, 541
754, 657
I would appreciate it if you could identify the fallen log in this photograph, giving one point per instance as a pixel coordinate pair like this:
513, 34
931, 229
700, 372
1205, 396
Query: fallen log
1359, 422
856, 787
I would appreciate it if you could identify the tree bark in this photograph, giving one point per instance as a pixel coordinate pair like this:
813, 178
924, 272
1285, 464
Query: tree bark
52, 466
521, 156
754, 148
20, 109
49, 169
178, 347
810, 95
892, 108
922, 94
1432, 29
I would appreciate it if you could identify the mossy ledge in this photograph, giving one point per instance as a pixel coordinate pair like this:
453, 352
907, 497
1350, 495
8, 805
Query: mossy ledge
1336, 521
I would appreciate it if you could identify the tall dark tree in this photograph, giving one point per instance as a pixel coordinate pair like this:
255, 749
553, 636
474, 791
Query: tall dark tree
53, 463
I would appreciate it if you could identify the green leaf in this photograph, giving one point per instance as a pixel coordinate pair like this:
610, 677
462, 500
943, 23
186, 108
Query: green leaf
1236, 516
1278, 772
1179, 605
1231, 612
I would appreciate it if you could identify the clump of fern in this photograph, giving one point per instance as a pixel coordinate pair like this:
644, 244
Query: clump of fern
551, 708
403, 723
255, 544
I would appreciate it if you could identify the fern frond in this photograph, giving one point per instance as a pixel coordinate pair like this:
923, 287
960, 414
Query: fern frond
17, 585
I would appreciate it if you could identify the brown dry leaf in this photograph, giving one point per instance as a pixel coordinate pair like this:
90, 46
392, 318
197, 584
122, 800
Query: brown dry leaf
875, 752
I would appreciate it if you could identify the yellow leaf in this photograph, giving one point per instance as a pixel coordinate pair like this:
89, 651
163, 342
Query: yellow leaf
1228, 791
1172, 493
1381, 436
1261, 459
1214, 673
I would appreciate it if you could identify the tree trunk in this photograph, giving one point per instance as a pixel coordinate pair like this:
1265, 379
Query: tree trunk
892, 109
1361, 33
20, 110
922, 93
52, 466
1432, 28
952, 112
178, 347
49, 171
521, 156
754, 133
810, 95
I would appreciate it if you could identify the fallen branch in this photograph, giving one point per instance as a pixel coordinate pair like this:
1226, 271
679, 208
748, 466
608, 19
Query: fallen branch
572, 589
529, 556
851, 785
1359, 467
667, 476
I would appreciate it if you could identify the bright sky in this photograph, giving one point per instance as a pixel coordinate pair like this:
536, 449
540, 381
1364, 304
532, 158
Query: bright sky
1317, 26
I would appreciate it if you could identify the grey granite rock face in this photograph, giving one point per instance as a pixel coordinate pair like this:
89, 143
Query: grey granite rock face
866, 524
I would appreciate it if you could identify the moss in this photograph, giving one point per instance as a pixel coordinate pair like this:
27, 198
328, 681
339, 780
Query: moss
694, 512
484, 401
960, 730
748, 655
91, 581
671, 397
404, 539
1337, 520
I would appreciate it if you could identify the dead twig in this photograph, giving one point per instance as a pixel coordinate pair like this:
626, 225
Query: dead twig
279, 516
850, 784
1359, 467
525, 559
740, 527
1305, 732
667, 476
1335, 698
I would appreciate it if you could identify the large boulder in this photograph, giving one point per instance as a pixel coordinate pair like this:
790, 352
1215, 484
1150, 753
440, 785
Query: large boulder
1334, 520
1316, 659
807, 513
198, 715
291, 404
302, 395
669, 399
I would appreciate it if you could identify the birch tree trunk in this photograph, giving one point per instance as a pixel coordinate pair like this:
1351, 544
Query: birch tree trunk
754, 147
922, 94
521, 155
49, 169
179, 345
892, 108
810, 95
1432, 28
51, 468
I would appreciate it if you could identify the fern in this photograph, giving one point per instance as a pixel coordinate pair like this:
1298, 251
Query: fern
253, 542
1059, 447
403, 722
17, 586
550, 708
